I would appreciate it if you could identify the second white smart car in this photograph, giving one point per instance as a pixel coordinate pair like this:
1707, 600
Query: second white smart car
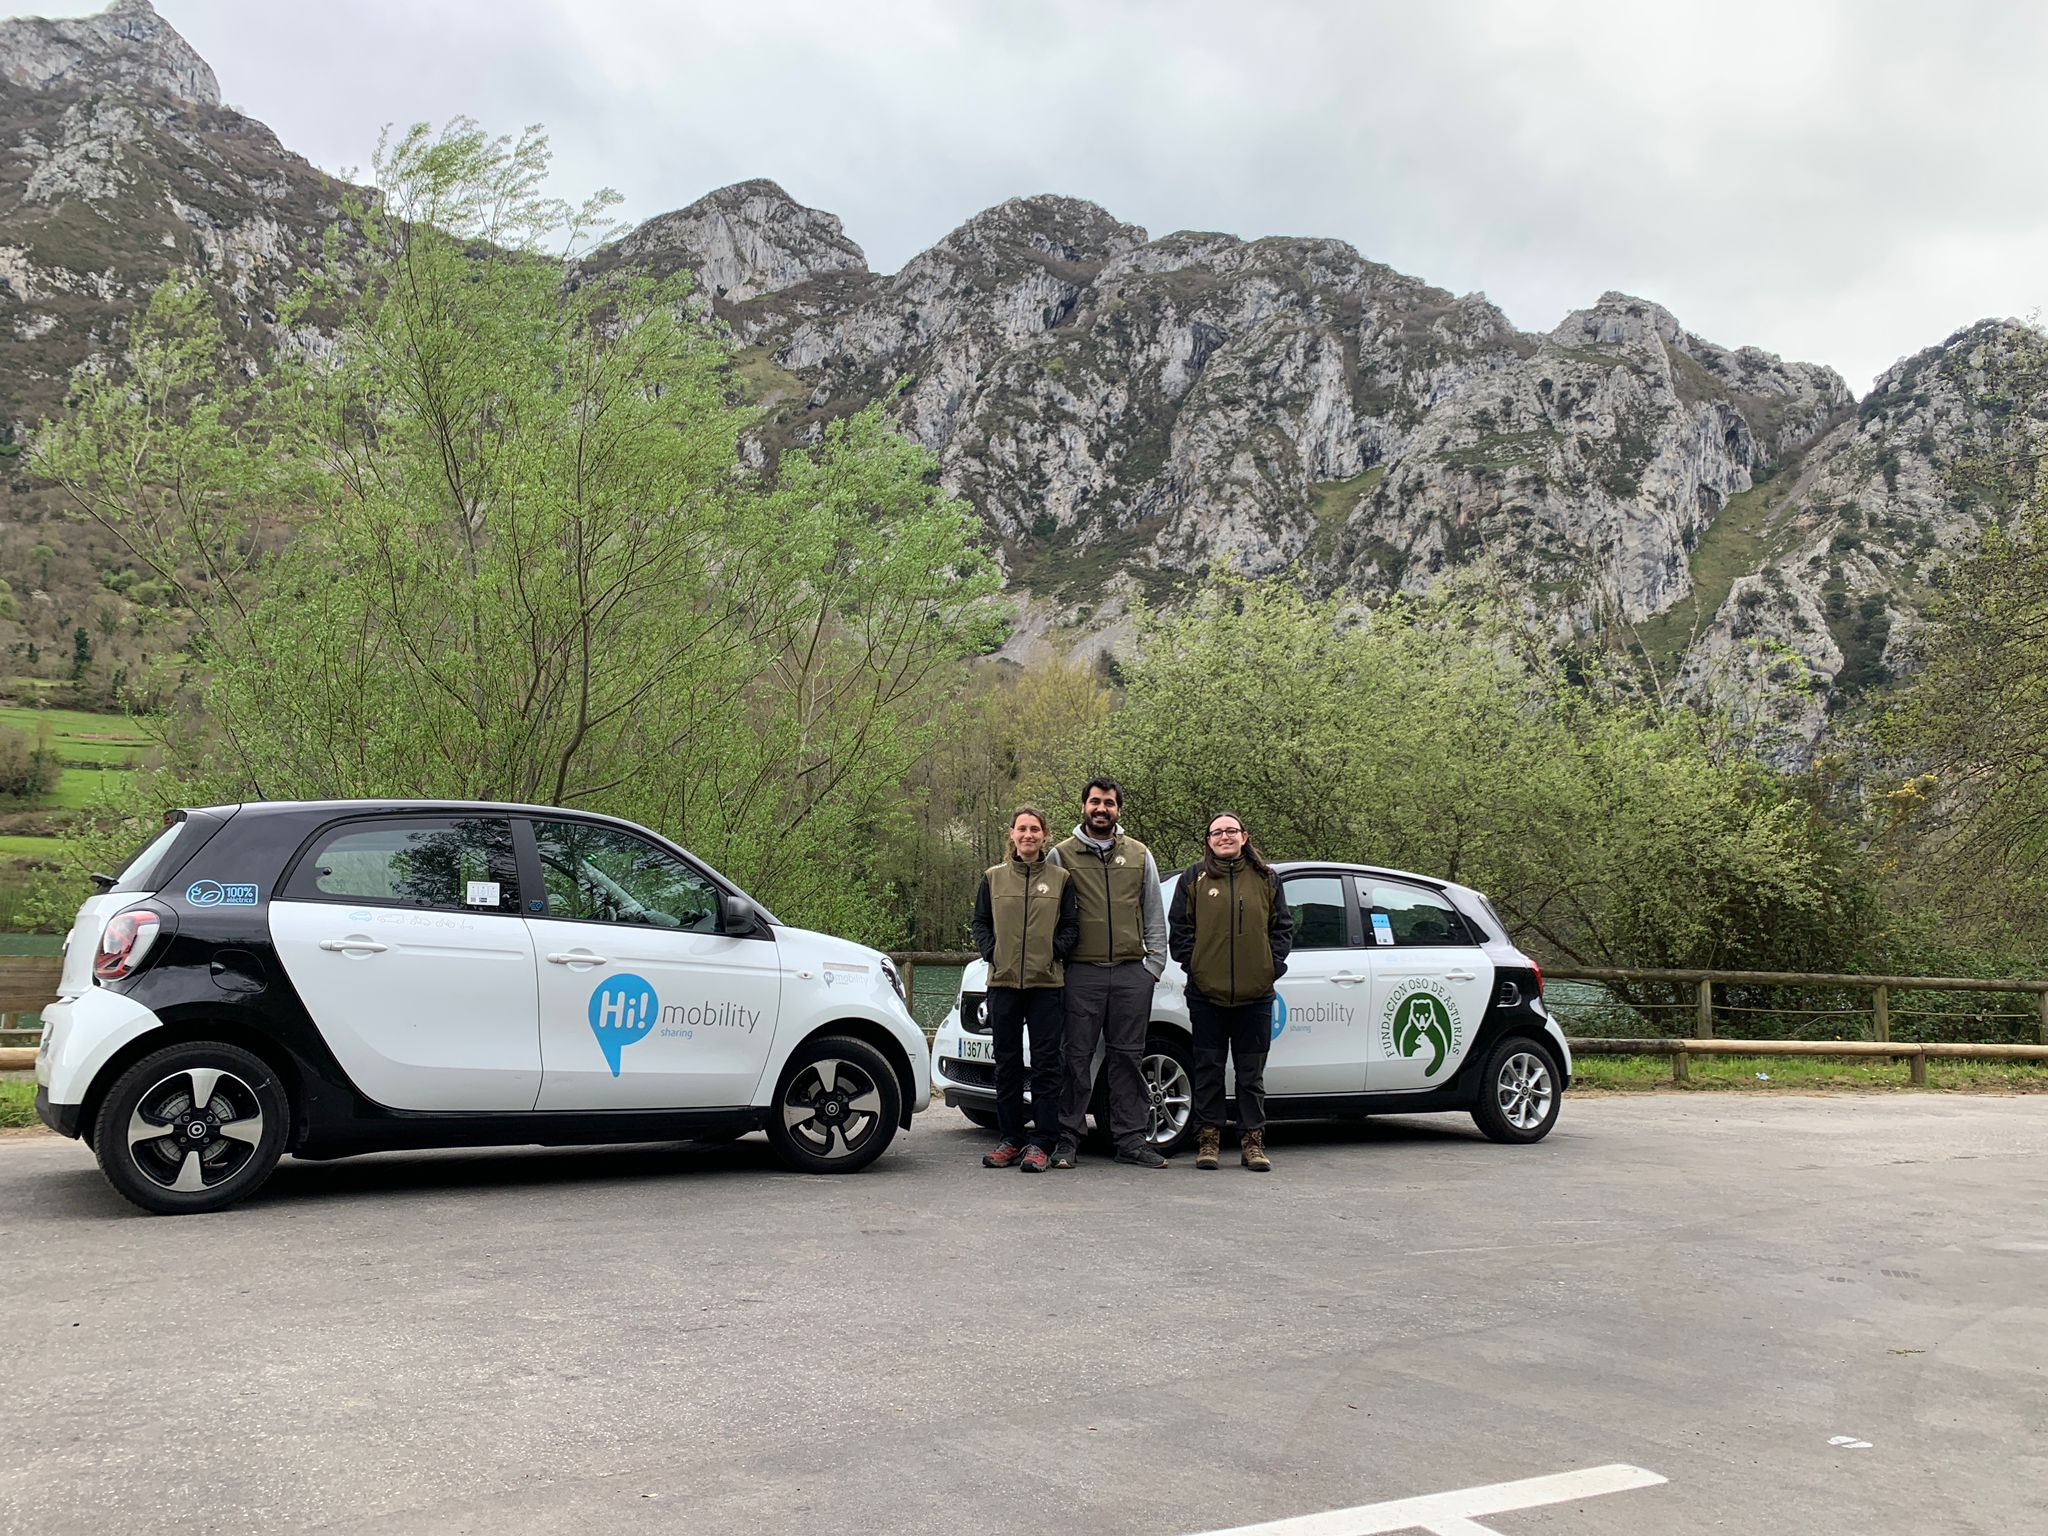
1403, 995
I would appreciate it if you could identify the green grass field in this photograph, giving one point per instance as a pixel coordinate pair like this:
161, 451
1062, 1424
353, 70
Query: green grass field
81, 738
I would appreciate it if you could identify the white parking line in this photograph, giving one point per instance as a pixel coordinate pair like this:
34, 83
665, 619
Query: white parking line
1453, 1514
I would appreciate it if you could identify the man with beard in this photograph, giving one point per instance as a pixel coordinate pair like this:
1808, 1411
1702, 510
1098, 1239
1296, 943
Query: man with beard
1110, 975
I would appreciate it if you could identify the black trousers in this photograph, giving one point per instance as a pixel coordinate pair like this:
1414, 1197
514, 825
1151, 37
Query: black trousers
1012, 1012
1111, 1004
1244, 1032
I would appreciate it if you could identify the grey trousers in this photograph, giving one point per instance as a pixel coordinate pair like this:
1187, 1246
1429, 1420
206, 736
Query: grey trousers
1113, 1004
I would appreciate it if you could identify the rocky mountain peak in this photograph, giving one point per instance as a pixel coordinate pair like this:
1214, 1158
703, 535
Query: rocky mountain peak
745, 240
1618, 320
1063, 229
127, 47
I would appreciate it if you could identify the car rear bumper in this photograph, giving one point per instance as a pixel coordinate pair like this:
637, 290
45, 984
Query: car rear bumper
61, 1118
80, 1036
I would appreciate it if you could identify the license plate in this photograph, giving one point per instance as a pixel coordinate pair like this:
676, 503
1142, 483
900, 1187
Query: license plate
972, 1049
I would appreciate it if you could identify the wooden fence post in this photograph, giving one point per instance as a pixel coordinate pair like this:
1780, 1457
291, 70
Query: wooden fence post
1917, 1062
1706, 1025
908, 972
1681, 1071
2041, 1033
1880, 1013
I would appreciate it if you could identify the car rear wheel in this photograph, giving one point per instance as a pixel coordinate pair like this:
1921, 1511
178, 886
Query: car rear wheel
191, 1128
1519, 1093
836, 1108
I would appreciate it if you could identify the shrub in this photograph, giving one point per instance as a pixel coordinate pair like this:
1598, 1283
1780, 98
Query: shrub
28, 766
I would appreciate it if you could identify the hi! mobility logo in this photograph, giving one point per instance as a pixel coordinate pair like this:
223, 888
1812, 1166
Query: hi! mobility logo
1423, 1018
1303, 1018
625, 1008
622, 1011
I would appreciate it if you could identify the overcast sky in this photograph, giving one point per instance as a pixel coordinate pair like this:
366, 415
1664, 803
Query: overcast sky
1838, 182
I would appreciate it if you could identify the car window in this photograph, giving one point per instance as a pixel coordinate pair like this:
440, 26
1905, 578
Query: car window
603, 875
453, 863
1407, 916
140, 872
1316, 902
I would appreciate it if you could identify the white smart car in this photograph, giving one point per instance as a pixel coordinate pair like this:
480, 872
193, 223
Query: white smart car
336, 977
1402, 995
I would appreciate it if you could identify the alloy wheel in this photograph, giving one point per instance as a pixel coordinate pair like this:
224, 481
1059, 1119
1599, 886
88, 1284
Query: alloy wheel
1524, 1090
1170, 1097
195, 1129
832, 1108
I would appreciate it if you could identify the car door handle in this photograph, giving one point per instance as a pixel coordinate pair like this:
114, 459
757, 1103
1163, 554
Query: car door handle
1347, 979
354, 946
577, 957
1461, 975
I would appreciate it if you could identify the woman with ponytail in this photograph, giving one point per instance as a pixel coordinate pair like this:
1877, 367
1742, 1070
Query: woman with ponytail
1231, 933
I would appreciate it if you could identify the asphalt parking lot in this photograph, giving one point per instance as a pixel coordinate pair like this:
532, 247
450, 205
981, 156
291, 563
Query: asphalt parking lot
1803, 1314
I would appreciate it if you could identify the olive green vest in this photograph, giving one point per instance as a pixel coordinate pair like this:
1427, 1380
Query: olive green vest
1024, 903
1232, 961
1110, 894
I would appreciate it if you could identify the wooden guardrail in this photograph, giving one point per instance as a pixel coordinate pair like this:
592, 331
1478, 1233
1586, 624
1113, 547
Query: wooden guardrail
26, 983
1880, 989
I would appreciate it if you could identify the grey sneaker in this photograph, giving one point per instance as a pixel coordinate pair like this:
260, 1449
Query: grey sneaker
1063, 1155
1141, 1157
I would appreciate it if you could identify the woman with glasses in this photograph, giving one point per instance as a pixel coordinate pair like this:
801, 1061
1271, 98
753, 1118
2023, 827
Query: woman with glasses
1231, 933
1026, 923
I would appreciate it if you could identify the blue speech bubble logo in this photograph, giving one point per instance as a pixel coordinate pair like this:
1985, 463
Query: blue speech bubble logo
1279, 1014
622, 1010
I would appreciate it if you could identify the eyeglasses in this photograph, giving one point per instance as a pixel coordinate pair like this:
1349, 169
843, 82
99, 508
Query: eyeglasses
1226, 831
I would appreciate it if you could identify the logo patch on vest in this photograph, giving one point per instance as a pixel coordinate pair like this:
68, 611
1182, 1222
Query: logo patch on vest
1043, 887
1118, 859
1215, 890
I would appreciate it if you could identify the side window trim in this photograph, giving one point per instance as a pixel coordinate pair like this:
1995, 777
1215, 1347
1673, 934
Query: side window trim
291, 888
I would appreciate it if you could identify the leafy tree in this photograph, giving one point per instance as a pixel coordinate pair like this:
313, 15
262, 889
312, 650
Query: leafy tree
498, 542
1424, 736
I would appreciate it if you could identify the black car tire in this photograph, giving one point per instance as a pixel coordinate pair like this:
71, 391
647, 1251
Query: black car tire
976, 1115
808, 1132
215, 1167
1520, 1091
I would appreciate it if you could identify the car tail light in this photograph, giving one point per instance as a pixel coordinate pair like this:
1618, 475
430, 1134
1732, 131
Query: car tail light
1539, 977
125, 942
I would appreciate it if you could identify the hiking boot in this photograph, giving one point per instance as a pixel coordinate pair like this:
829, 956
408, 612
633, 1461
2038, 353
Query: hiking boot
1254, 1154
1033, 1160
1007, 1155
1208, 1147
1063, 1155
1141, 1157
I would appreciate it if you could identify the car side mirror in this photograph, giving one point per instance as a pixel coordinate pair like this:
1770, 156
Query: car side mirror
741, 915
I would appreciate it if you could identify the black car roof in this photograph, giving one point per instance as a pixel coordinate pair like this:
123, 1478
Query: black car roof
349, 807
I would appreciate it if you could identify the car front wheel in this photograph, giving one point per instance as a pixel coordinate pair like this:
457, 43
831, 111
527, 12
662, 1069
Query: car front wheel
191, 1128
1519, 1093
836, 1108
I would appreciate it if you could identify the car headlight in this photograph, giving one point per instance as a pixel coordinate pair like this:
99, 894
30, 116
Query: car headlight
896, 981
